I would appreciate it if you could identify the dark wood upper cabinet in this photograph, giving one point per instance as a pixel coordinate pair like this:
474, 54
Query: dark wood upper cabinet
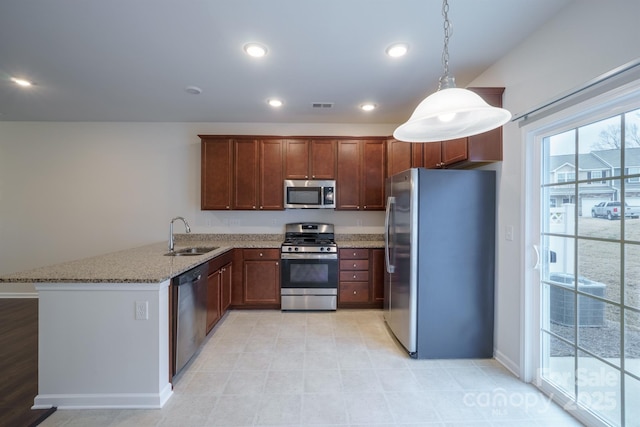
271, 195
348, 175
467, 152
445, 153
216, 173
246, 172
361, 174
399, 156
296, 163
487, 147
245, 188
241, 173
310, 159
373, 167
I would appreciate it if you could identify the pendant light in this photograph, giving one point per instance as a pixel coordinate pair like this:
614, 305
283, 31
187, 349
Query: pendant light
450, 112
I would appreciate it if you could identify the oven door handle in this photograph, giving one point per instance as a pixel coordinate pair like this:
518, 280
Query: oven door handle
387, 223
327, 256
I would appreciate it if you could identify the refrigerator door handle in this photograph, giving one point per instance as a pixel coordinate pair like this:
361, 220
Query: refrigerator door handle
387, 249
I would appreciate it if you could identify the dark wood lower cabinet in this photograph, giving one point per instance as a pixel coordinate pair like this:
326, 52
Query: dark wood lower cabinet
361, 278
219, 288
377, 275
213, 299
255, 282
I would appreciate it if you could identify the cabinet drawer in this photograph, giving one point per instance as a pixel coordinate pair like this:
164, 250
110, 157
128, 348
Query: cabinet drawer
261, 253
354, 276
354, 292
354, 253
354, 264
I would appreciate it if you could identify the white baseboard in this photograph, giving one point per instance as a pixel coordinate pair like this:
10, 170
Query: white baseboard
104, 401
512, 366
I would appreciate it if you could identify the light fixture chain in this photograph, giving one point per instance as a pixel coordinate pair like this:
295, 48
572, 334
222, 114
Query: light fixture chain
448, 30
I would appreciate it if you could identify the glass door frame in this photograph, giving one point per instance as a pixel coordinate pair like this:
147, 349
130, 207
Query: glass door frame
617, 101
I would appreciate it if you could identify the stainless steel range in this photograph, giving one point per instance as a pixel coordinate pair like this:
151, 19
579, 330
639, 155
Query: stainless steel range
309, 267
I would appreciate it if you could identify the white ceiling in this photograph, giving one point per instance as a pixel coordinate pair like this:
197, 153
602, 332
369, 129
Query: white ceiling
130, 60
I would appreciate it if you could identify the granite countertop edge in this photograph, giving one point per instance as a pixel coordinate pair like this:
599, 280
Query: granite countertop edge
147, 264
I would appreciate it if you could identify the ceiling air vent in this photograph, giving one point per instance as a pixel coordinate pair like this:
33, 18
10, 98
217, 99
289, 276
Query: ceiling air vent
322, 105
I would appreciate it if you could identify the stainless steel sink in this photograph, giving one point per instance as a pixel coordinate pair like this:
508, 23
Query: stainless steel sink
191, 251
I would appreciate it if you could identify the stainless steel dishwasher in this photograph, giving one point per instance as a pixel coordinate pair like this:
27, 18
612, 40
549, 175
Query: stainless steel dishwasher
191, 313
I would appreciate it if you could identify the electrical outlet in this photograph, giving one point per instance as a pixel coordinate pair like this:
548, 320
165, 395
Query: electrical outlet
508, 233
142, 310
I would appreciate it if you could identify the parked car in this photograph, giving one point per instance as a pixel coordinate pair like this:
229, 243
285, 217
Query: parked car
613, 210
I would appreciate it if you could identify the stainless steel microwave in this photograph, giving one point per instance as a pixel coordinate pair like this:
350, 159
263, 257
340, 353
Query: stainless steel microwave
311, 194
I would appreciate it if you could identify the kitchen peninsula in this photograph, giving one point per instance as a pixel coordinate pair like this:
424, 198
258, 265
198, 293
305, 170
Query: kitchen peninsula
93, 352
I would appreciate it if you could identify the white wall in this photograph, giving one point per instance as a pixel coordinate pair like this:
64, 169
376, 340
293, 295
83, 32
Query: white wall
585, 40
72, 190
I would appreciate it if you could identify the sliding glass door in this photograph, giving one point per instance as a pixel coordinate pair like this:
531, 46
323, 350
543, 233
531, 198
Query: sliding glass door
590, 267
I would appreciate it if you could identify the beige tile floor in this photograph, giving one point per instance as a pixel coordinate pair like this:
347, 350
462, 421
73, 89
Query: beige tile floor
343, 368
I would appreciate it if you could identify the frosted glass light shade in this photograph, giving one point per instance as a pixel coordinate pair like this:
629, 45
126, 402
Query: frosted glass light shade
449, 114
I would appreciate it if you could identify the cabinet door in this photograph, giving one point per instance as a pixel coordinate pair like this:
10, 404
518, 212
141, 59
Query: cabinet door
348, 175
296, 159
213, 298
245, 189
226, 284
487, 147
377, 274
398, 156
431, 155
322, 161
454, 151
372, 181
261, 282
417, 156
271, 175
216, 173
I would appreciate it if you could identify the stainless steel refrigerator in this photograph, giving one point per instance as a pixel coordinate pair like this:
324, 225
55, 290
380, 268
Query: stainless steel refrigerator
440, 262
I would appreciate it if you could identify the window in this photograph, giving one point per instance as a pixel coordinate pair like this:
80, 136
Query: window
566, 176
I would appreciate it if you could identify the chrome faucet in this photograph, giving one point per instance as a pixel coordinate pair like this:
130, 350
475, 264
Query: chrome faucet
186, 227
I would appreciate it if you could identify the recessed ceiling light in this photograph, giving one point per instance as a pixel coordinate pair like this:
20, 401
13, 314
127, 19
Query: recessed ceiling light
21, 82
275, 102
397, 50
255, 49
193, 90
368, 107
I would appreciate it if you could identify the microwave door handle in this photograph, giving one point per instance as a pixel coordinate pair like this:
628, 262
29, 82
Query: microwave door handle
387, 231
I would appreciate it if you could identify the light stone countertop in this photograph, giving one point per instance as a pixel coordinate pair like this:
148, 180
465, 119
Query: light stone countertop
147, 264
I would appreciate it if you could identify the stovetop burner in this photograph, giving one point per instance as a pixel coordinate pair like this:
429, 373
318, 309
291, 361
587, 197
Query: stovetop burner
309, 237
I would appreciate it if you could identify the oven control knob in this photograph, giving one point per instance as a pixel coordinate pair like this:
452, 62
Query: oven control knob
321, 249
289, 248
296, 248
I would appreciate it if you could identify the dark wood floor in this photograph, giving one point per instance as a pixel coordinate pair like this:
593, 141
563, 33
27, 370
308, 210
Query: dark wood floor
19, 363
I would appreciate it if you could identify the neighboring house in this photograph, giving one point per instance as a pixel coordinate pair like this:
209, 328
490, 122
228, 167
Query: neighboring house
596, 172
